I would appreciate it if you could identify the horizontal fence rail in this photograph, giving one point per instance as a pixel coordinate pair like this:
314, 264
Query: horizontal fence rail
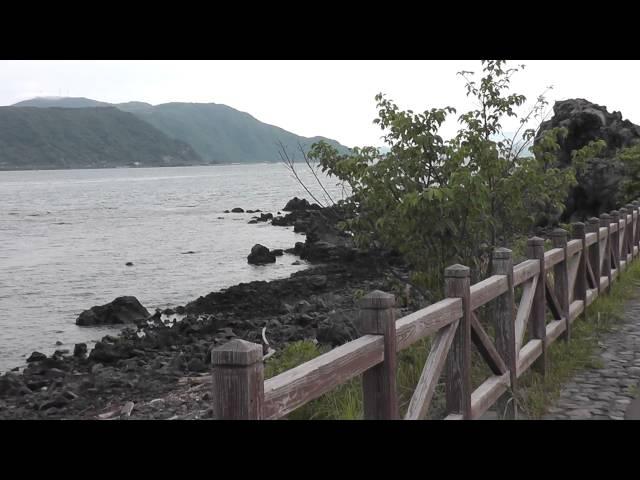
554, 288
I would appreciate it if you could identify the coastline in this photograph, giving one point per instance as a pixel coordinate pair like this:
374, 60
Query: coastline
150, 361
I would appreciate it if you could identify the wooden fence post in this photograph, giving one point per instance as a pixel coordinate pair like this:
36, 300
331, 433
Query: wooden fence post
237, 381
636, 230
379, 393
457, 284
537, 322
605, 221
580, 285
615, 241
623, 239
630, 229
506, 330
594, 255
561, 278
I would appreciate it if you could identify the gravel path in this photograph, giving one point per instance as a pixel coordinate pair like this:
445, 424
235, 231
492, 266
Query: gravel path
606, 393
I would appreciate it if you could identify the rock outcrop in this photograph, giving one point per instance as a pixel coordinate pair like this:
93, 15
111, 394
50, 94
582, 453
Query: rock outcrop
121, 310
300, 204
260, 255
598, 190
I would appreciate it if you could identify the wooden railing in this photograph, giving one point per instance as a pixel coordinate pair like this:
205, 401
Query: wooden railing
562, 281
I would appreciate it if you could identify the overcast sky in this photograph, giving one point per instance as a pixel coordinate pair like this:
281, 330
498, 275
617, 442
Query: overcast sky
334, 99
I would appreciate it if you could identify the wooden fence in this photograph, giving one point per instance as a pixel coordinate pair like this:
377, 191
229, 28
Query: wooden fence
581, 269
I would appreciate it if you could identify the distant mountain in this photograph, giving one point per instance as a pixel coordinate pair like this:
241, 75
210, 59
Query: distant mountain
50, 138
218, 133
222, 134
62, 102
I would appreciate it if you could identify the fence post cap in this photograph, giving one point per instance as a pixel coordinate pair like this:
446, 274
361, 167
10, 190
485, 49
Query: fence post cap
559, 232
615, 213
578, 227
378, 300
457, 271
594, 220
237, 352
502, 252
535, 241
605, 215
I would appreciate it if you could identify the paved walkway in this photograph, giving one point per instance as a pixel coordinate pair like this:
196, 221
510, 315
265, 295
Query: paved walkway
607, 393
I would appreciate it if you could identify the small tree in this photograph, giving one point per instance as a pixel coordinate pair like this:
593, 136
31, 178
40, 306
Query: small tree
440, 201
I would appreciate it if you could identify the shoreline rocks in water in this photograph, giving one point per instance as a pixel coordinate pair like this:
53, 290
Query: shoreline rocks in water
300, 204
121, 310
260, 255
149, 361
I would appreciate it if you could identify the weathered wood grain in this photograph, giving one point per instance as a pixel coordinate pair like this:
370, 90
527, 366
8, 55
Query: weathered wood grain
573, 247
427, 321
421, 399
529, 354
488, 289
458, 368
561, 278
553, 257
525, 270
237, 381
486, 348
537, 322
554, 330
379, 392
293, 388
487, 395
524, 310
505, 326
575, 309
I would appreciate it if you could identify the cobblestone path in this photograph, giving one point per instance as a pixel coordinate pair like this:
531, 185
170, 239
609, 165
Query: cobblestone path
605, 393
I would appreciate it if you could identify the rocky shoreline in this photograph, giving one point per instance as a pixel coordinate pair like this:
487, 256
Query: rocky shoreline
158, 367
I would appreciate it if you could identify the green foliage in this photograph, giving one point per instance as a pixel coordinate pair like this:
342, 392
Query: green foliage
629, 186
440, 201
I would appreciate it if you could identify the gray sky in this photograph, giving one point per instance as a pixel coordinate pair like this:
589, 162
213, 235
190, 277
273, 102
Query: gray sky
330, 98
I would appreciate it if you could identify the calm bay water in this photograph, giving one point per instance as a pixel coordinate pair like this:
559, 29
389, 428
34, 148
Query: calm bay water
65, 237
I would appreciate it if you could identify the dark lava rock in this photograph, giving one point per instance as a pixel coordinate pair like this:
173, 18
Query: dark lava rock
278, 252
36, 357
318, 281
129, 264
108, 353
59, 401
13, 384
337, 329
237, 210
121, 310
197, 365
227, 211
598, 188
300, 204
80, 350
260, 255
252, 221
58, 342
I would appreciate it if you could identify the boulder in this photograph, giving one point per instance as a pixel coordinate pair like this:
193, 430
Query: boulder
260, 255
278, 252
36, 357
80, 350
337, 329
121, 310
300, 204
237, 210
